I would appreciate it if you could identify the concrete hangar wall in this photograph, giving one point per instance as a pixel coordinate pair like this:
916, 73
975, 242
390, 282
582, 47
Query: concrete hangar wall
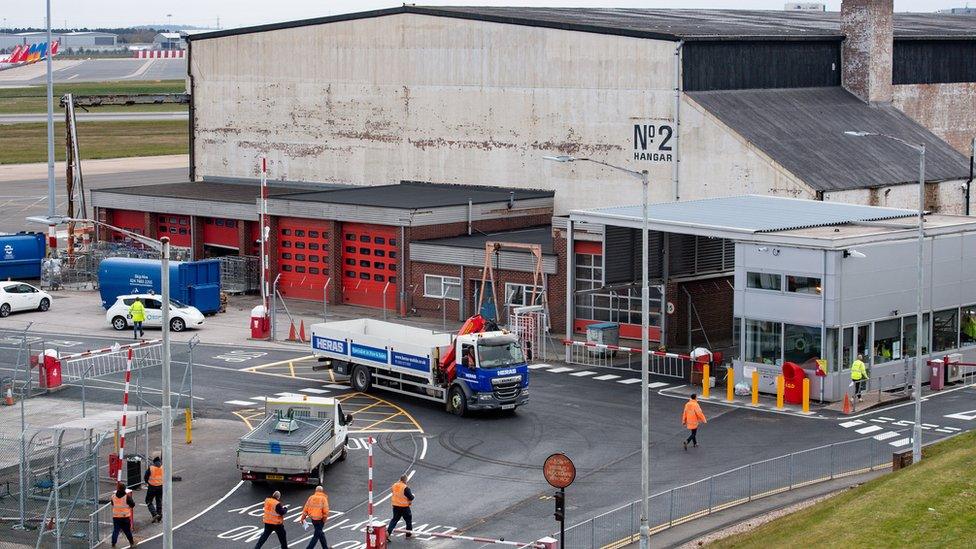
410, 96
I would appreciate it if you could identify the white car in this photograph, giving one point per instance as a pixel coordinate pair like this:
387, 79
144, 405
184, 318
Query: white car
17, 296
181, 315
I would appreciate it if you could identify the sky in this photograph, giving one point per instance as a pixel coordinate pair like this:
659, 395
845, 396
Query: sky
239, 13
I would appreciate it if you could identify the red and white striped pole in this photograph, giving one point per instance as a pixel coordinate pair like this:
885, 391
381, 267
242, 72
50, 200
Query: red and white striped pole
369, 506
125, 409
265, 261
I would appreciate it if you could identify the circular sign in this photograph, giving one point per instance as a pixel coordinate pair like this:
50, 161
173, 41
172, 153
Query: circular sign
670, 308
559, 470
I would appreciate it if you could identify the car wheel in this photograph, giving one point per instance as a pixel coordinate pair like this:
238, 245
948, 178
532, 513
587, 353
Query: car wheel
4, 310
177, 325
457, 401
44, 305
361, 378
119, 323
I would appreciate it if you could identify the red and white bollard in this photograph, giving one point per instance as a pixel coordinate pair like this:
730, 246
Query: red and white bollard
375, 533
125, 410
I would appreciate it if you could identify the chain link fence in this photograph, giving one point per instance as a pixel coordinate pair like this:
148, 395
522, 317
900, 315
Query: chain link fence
79, 269
620, 526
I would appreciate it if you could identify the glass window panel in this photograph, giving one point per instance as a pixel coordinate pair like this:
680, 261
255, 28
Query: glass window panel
364, 238
803, 285
967, 326
351, 274
909, 335
763, 342
286, 268
379, 253
299, 269
299, 257
432, 286
764, 281
364, 276
802, 345
887, 340
847, 348
350, 236
286, 232
364, 251
379, 240
313, 234
363, 263
736, 336
379, 278
393, 255
945, 330
584, 260
313, 270
391, 280
300, 245
350, 249
313, 246
285, 256
864, 346
313, 259
220, 222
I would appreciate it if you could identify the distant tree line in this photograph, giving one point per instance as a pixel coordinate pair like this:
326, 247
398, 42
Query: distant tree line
127, 35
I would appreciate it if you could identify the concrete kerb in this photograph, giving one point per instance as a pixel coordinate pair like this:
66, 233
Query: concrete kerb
766, 404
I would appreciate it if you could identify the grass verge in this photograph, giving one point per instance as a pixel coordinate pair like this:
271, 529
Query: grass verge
33, 99
932, 504
22, 143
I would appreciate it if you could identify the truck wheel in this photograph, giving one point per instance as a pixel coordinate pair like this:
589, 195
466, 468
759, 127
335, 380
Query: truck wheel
321, 473
342, 455
361, 378
457, 402
119, 323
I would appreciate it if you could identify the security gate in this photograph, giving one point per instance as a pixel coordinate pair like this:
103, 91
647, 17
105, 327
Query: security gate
613, 356
111, 360
530, 325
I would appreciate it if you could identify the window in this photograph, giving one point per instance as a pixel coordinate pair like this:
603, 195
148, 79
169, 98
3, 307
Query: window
764, 281
154, 304
763, 342
350, 249
351, 274
184, 221
379, 253
285, 256
172, 220
864, 347
802, 345
364, 238
300, 245
299, 232
887, 340
313, 246
392, 280
518, 295
364, 263
847, 348
313, 259
182, 230
379, 278
945, 330
162, 229
392, 242
379, 240
379, 265
286, 232
286, 268
909, 336
350, 236
313, 234
364, 251
299, 269
350, 261
299, 257
803, 285
736, 336
220, 222
448, 287
231, 224
967, 326
286, 244
392, 255
364, 276
210, 221
313, 270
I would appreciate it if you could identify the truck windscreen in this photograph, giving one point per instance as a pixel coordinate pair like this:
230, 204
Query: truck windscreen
500, 356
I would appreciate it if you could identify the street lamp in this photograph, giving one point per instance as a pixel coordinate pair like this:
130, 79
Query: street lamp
920, 149
162, 245
645, 329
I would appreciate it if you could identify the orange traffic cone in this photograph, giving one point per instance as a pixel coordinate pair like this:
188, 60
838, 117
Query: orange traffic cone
847, 403
8, 398
291, 332
301, 331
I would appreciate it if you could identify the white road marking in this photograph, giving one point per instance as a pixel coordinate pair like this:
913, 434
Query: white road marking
901, 442
423, 451
239, 402
943, 431
336, 386
904, 423
656, 384
885, 436
314, 391
967, 416
868, 429
581, 374
952, 428
288, 395
540, 365
559, 370
849, 424
262, 399
606, 377
200, 514
73, 76
879, 420
929, 425
886, 418
628, 381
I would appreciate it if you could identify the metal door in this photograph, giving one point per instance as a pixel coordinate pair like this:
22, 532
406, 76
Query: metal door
487, 306
303, 257
369, 265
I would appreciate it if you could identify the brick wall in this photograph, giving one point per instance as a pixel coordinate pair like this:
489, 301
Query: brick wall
196, 237
244, 244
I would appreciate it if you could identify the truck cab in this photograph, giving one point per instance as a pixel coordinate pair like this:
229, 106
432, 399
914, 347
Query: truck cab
491, 373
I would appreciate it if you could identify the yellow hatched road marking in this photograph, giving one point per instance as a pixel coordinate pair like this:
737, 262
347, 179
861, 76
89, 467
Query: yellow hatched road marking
399, 416
279, 363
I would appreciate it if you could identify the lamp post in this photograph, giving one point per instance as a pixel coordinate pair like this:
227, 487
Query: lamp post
920, 149
51, 199
645, 329
162, 245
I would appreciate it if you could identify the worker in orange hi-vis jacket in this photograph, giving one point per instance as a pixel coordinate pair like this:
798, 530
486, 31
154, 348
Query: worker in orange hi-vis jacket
690, 418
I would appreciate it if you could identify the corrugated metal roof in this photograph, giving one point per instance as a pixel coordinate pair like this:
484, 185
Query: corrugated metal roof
803, 130
209, 191
534, 235
664, 24
410, 195
743, 214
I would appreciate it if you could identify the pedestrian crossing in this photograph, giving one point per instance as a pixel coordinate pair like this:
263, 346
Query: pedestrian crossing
321, 390
876, 428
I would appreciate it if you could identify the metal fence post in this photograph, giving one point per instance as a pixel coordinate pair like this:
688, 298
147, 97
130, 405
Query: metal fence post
831, 447
791, 470
592, 534
671, 509
711, 484
750, 482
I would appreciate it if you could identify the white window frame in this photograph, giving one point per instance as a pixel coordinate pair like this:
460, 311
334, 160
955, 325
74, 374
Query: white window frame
526, 292
445, 283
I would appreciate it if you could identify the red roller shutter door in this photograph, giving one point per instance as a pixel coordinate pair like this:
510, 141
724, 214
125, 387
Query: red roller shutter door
369, 265
303, 257
129, 220
176, 227
218, 231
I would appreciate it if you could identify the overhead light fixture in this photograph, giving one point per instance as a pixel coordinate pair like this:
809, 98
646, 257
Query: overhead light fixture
854, 253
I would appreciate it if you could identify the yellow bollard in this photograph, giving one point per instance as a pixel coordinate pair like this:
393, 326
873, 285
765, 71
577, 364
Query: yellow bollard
730, 385
806, 395
780, 383
755, 387
706, 386
189, 426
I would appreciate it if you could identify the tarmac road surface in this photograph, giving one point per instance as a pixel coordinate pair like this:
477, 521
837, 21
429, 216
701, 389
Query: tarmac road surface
97, 117
95, 70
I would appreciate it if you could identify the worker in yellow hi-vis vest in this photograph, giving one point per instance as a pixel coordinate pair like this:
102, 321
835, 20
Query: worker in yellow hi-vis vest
859, 376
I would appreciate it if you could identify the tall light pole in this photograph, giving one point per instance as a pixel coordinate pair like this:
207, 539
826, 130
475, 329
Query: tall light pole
162, 245
645, 333
919, 363
51, 199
